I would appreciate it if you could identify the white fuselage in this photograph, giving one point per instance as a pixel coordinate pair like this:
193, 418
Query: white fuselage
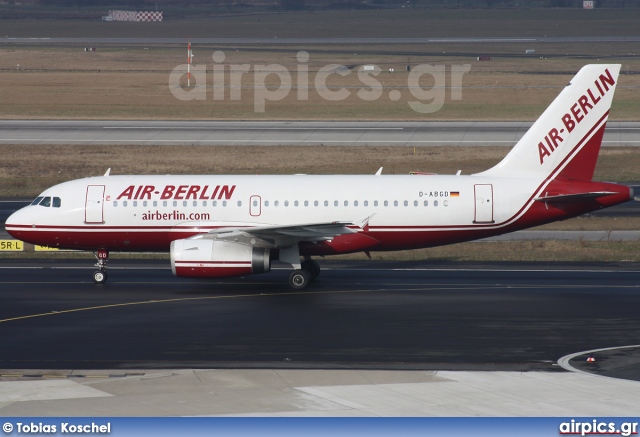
140, 213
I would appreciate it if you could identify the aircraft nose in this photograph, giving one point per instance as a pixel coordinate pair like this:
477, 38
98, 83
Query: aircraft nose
17, 221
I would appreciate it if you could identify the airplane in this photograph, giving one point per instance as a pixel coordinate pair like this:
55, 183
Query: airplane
236, 225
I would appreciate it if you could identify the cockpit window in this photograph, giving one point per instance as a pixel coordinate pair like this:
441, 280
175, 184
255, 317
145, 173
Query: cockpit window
56, 202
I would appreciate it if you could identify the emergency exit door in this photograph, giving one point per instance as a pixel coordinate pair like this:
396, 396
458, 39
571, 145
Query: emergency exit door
255, 206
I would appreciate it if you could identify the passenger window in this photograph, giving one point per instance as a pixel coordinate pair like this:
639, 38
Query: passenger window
366, 203
395, 203
375, 203
37, 201
326, 203
135, 203
239, 202
46, 202
315, 203
386, 203
115, 203
295, 203
346, 203
214, 203
195, 203
266, 203
286, 203
406, 203
306, 203
144, 203
435, 203
276, 203
426, 203
255, 203
164, 203
155, 203
415, 203
124, 203
224, 203
184, 203
175, 203
335, 203
355, 203
57, 202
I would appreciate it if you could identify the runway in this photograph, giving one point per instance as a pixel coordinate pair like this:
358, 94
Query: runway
358, 315
323, 41
277, 133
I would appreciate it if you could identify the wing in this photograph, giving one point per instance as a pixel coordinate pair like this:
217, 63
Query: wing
273, 236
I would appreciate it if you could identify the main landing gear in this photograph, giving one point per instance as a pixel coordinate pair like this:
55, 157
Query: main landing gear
100, 275
300, 278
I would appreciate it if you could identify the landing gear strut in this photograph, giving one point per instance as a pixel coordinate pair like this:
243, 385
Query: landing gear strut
100, 275
311, 266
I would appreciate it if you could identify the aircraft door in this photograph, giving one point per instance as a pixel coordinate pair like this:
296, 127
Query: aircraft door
484, 203
94, 206
255, 206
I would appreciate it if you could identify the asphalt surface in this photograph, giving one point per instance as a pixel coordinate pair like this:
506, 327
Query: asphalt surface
274, 133
323, 41
377, 315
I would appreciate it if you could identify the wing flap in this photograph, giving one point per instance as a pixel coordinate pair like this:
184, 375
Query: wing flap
280, 235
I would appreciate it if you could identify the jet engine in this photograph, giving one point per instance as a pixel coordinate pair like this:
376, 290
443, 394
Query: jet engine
209, 258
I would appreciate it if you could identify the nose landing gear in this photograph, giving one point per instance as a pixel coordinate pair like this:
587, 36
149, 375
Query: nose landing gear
100, 275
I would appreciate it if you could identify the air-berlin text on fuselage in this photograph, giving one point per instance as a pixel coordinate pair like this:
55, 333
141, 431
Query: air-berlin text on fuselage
178, 192
576, 114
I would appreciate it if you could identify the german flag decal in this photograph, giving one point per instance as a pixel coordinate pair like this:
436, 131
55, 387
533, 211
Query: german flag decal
454, 193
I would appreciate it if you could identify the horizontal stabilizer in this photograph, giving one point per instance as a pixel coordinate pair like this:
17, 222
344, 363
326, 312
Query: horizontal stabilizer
569, 198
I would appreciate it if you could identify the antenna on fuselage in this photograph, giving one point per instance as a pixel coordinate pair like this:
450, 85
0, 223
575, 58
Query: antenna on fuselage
379, 172
107, 172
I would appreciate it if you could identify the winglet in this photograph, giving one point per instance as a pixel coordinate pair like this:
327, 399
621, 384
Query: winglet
362, 224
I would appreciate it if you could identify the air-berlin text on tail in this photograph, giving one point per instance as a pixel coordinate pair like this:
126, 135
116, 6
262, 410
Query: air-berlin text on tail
576, 114
178, 192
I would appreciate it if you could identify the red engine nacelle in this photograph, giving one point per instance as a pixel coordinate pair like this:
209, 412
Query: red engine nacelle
207, 258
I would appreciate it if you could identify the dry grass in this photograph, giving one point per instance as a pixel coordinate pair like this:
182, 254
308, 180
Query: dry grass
133, 83
509, 251
27, 170
514, 251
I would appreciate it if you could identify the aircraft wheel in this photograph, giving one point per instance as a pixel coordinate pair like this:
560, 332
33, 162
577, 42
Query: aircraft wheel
312, 267
299, 279
99, 277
